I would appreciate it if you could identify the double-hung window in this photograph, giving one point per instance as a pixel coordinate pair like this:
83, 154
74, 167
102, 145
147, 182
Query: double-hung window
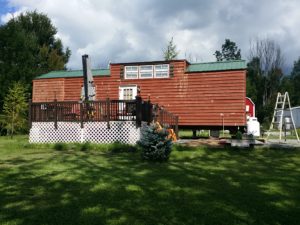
146, 71
131, 72
161, 71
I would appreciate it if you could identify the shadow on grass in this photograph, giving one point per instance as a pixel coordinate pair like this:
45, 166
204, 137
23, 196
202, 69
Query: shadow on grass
198, 186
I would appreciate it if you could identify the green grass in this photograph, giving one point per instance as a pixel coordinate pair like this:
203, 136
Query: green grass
41, 185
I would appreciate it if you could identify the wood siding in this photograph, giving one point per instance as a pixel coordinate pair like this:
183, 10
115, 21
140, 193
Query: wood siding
199, 99
46, 90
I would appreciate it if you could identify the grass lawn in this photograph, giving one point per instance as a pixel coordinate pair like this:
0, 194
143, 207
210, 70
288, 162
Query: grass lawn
39, 185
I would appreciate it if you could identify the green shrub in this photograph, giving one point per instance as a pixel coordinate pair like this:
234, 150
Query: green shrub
60, 146
155, 144
85, 146
239, 135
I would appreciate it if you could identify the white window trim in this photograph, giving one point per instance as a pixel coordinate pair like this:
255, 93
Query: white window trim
138, 76
131, 78
123, 87
147, 70
168, 71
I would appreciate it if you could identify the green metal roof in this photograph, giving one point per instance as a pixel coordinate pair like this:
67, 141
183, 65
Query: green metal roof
73, 73
217, 66
194, 67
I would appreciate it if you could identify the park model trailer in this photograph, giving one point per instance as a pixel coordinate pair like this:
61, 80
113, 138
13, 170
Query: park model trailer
203, 95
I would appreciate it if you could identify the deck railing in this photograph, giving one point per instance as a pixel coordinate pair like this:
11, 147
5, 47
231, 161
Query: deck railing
101, 111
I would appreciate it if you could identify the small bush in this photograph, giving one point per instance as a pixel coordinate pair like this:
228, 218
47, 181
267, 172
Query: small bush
85, 146
155, 144
60, 146
239, 135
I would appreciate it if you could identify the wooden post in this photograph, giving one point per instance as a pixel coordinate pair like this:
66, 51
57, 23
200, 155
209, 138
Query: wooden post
138, 100
149, 112
30, 113
194, 133
81, 115
161, 117
108, 112
156, 111
176, 126
55, 113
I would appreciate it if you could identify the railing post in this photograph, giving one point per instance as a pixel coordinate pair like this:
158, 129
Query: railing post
81, 114
30, 113
149, 112
176, 126
155, 113
138, 100
108, 112
55, 113
161, 117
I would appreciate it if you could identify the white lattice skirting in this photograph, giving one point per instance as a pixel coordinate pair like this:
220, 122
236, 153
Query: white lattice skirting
96, 132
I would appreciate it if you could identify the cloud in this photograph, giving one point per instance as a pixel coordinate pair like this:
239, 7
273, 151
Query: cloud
134, 30
9, 15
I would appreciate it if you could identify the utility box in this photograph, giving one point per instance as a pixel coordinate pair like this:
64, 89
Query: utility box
253, 127
288, 123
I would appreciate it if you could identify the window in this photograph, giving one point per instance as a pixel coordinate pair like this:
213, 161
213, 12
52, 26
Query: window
146, 71
161, 71
128, 94
131, 72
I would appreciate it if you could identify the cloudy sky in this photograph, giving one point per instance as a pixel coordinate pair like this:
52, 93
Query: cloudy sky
138, 30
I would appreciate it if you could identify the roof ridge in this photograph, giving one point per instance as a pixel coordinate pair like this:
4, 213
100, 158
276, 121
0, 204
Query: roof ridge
217, 66
227, 61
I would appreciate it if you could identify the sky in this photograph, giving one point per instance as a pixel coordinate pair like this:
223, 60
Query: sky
139, 30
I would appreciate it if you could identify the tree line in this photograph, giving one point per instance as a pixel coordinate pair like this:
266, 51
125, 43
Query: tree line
29, 47
265, 76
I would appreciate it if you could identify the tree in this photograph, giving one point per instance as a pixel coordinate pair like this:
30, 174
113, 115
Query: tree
264, 74
295, 80
270, 63
29, 48
253, 77
229, 51
14, 109
170, 52
287, 85
155, 143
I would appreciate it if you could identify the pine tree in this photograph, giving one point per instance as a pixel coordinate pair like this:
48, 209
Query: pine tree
170, 52
14, 109
155, 144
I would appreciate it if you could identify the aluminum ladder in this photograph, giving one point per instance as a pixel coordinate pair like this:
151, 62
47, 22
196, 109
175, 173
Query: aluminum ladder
282, 103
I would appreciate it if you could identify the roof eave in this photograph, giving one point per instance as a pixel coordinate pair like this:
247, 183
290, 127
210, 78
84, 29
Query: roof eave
151, 62
39, 78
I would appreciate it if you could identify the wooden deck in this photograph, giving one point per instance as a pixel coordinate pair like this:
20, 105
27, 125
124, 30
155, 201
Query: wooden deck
101, 111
